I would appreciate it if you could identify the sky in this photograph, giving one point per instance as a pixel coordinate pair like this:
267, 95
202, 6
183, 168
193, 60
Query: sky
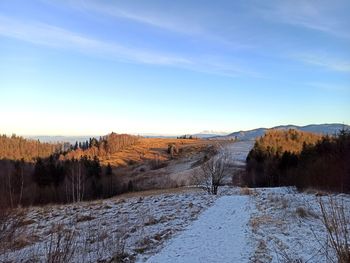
172, 67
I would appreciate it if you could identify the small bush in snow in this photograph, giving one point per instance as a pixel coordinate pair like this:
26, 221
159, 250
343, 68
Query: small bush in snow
301, 212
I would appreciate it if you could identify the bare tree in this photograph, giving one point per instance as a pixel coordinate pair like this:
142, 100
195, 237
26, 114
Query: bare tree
212, 172
75, 182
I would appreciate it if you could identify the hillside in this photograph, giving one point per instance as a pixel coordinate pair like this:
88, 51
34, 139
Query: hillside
323, 129
140, 150
302, 159
96, 168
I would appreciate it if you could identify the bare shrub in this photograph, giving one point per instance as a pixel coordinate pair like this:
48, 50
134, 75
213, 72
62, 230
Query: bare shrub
335, 219
212, 173
301, 212
172, 149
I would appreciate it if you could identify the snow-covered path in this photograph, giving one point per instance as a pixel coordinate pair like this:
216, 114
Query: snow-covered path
220, 235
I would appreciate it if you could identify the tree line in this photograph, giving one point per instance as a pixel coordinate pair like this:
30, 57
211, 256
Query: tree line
283, 158
32, 172
187, 137
105, 146
17, 148
51, 180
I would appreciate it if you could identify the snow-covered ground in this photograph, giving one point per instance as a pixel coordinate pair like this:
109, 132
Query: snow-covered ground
267, 225
219, 235
287, 225
102, 228
238, 225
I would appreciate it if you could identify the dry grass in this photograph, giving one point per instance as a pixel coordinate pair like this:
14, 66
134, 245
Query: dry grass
151, 221
26, 222
154, 192
23, 241
85, 218
316, 192
61, 245
246, 191
12, 226
144, 244
278, 201
149, 149
256, 222
148, 164
105, 229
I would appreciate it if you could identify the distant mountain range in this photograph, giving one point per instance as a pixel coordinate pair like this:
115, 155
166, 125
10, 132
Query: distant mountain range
330, 129
240, 135
208, 134
60, 139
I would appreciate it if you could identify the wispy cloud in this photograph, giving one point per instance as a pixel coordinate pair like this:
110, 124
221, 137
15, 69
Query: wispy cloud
322, 16
57, 37
52, 36
156, 19
192, 24
327, 62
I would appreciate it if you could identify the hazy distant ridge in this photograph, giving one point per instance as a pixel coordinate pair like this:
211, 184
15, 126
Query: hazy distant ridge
241, 135
316, 128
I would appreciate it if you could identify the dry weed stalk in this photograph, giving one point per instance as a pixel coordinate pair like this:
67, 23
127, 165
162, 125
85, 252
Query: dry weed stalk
335, 219
11, 231
61, 245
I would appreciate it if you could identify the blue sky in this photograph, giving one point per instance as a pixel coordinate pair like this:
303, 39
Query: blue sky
172, 67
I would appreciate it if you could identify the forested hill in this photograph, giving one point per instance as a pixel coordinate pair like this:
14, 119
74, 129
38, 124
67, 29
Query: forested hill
103, 146
300, 159
323, 129
17, 148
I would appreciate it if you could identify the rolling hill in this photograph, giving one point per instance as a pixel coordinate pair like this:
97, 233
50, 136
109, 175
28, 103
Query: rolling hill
315, 128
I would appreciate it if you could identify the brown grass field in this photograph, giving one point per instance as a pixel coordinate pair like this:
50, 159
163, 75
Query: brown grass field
149, 149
